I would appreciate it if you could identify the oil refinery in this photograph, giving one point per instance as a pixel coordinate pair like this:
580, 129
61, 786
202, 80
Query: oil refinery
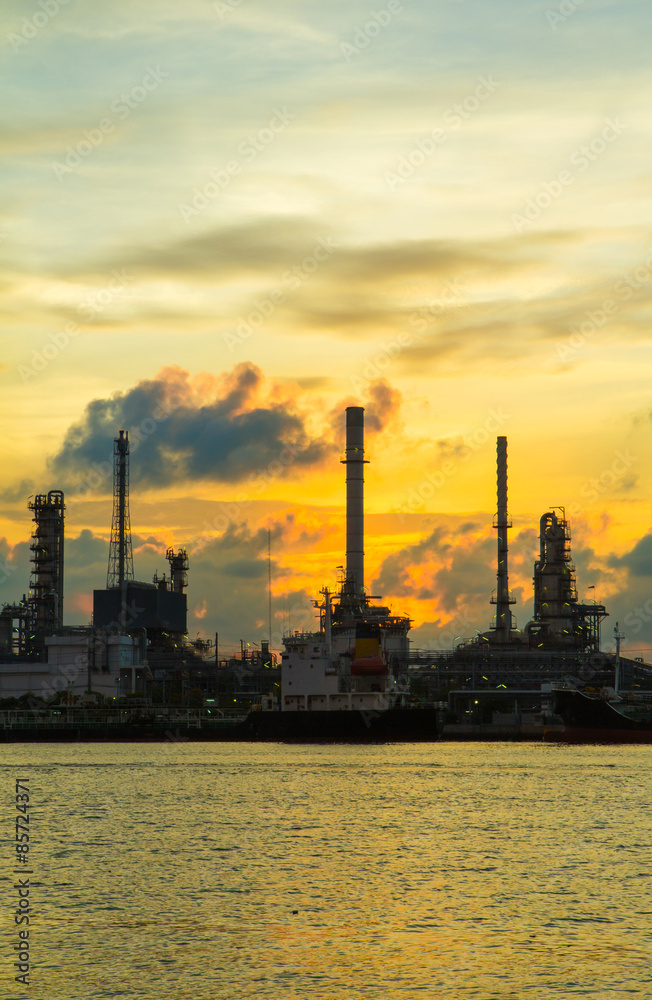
359, 658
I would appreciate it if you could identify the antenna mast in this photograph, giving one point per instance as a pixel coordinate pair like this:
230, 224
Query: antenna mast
121, 559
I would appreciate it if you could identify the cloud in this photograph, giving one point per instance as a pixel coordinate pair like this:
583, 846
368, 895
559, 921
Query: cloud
638, 561
382, 405
458, 302
395, 579
265, 247
453, 571
13, 494
14, 571
227, 593
270, 244
455, 301
224, 428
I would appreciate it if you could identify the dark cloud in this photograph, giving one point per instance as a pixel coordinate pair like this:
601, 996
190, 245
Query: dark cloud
638, 560
384, 403
381, 402
394, 577
207, 428
14, 571
245, 568
627, 483
266, 247
227, 580
14, 494
454, 569
468, 578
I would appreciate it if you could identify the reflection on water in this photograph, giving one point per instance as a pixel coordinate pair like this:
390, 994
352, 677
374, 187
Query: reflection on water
220, 872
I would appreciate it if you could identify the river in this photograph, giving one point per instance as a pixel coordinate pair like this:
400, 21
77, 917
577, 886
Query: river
231, 871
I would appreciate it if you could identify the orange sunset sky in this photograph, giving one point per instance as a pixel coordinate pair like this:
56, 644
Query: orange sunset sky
222, 223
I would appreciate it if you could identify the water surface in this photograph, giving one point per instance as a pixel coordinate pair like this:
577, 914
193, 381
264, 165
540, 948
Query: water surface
489, 871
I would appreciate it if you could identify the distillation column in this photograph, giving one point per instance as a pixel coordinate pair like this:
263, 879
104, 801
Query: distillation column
555, 592
178, 570
46, 584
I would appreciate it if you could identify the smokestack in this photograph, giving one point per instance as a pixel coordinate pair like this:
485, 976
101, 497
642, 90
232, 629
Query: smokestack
354, 462
503, 613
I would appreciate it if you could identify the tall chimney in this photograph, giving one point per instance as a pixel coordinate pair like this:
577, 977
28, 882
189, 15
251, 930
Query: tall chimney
354, 462
503, 613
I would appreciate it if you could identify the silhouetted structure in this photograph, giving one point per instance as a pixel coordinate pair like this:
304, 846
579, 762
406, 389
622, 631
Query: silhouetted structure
121, 559
504, 623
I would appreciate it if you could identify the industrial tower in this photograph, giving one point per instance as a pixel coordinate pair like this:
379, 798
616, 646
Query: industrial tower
178, 570
504, 619
121, 559
355, 461
46, 582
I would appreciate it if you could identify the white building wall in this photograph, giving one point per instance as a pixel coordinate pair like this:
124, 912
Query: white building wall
67, 668
45, 679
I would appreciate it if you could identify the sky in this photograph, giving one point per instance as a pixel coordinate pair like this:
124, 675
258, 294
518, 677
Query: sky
222, 223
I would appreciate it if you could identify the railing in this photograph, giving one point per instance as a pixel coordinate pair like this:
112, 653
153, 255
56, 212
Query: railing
11, 719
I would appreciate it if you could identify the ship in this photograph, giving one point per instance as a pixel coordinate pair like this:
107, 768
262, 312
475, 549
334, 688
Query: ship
602, 717
347, 681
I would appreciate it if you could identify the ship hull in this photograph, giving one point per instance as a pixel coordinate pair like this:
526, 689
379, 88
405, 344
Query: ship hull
576, 735
394, 725
595, 720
